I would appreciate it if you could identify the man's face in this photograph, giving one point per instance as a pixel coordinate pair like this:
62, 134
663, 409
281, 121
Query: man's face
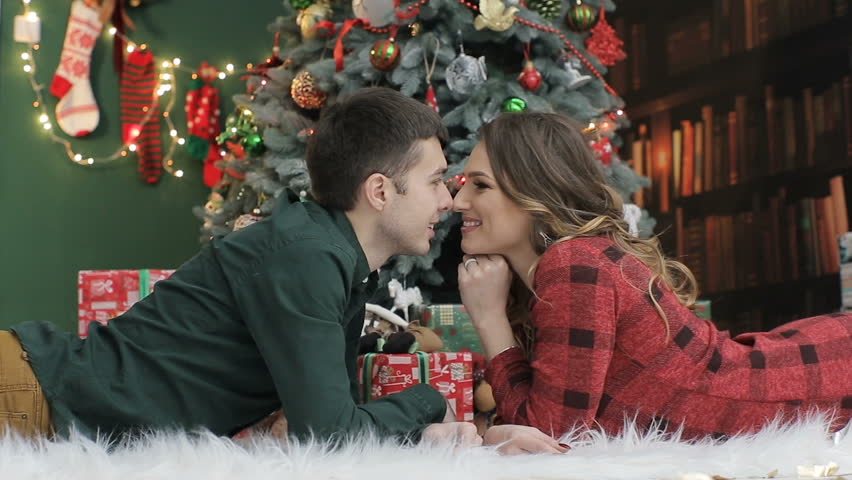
409, 220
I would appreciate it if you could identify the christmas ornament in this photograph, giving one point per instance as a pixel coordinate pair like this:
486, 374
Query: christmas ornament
241, 135
604, 42
514, 104
301, 4
494, 14
465, 73
246, 219
415, 28
577, 79
580, 17
140, 113
378, 12
431, 98
603, 150
309, 18
202, 122
305, 92
547, 9
214, 204
385, 54
77, 111
253, 144
530, 78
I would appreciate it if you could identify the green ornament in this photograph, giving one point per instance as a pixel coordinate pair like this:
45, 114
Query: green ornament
514, 104
301, 4
581, 18
548, 9
253, 143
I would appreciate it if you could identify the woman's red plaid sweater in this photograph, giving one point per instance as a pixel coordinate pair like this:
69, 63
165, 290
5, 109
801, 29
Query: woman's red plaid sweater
602, 354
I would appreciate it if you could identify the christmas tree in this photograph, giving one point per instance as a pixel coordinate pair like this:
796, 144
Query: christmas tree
469, 60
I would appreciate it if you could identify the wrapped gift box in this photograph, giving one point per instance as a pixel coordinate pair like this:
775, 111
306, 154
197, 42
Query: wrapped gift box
450, 373
105, 294
452, 323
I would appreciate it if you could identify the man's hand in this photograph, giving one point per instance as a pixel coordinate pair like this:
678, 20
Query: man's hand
517, 439
460, 434
450, 416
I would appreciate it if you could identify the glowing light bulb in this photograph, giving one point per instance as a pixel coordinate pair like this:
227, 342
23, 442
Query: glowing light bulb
166, 64
131, 48
47, 126
112, 30
43, 118
132, 147
181, 141
229, 67
619, 112
78, 157
222, 75
173, 133
179, 173
90, 161
176, 61
28, 68
25, 56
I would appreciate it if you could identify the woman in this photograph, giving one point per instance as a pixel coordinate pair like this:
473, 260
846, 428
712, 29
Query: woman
585, 325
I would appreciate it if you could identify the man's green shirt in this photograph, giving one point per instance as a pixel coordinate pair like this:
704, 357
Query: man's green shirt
262, 318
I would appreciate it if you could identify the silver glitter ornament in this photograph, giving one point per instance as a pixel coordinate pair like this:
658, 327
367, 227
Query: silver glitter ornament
465, 73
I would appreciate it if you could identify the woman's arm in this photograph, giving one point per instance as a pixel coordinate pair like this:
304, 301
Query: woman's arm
574, 334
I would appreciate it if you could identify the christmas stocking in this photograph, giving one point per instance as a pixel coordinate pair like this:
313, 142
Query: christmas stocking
138, 102
202, 121
77, 112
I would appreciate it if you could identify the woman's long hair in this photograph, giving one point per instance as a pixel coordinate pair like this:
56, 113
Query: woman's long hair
543, 162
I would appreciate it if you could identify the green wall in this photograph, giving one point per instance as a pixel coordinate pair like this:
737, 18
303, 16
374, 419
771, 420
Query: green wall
60, 217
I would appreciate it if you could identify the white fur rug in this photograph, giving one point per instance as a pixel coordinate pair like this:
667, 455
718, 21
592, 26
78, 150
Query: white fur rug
774, 452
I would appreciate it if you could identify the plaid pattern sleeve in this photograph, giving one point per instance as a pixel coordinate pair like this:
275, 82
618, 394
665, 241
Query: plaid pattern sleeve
574, 330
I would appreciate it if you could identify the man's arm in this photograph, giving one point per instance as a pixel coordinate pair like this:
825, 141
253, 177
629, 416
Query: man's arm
294, 301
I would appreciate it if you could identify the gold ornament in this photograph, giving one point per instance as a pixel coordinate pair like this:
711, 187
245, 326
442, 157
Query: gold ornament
311, 16
415, 28
305, 92
494, 14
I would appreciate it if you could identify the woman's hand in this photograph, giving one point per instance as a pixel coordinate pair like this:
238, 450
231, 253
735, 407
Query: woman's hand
484, 282
517, 439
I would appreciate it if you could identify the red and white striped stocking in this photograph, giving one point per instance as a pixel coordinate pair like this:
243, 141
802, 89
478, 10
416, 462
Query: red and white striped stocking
139, 100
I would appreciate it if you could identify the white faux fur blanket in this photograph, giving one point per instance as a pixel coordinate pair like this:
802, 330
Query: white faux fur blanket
774, 452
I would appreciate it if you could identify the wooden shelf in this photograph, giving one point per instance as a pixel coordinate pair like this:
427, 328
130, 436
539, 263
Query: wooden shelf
759, 293
785, 61
734, 198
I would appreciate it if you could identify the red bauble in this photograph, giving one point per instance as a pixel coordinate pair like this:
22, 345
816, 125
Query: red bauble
530, 78
385, 54
603, 150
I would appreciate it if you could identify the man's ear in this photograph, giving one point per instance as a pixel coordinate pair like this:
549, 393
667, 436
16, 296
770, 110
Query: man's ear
375, 190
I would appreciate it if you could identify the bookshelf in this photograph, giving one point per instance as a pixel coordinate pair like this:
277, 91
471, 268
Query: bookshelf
741, 116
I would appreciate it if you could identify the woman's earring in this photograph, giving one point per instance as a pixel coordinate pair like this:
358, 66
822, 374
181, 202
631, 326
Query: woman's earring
546, 238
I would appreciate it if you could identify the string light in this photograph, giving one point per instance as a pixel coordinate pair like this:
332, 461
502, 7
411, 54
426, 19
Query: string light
167, 84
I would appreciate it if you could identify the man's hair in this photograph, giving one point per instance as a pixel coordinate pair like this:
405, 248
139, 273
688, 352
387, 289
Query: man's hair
374, 130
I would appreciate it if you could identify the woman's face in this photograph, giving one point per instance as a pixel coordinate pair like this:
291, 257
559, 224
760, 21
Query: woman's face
492, 223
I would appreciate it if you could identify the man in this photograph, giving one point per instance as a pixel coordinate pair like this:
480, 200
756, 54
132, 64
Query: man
264, 318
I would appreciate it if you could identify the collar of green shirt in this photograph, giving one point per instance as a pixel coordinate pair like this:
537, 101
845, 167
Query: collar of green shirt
362, 266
